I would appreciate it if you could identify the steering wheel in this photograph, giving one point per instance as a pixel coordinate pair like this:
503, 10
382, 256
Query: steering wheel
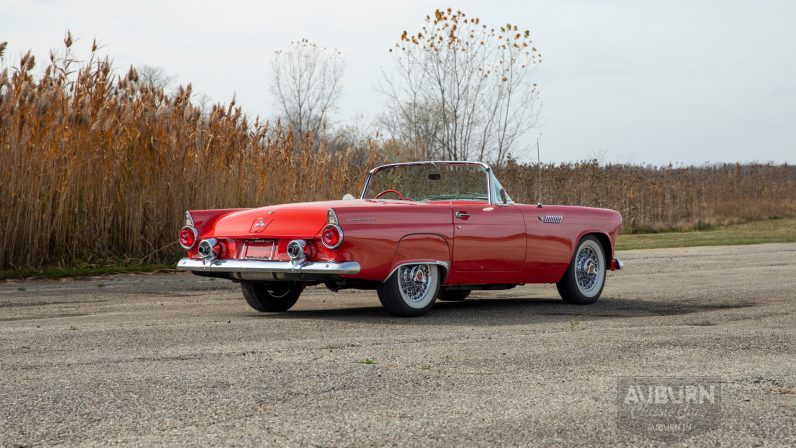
391, 191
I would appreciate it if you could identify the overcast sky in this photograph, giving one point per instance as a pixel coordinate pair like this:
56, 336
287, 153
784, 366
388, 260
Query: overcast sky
626, 81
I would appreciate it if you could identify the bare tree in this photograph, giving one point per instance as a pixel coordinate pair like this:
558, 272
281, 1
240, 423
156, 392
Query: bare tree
306, 83
462, 90
155, 77
415, 122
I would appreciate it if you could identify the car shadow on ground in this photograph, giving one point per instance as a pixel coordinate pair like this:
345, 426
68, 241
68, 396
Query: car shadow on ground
510, 311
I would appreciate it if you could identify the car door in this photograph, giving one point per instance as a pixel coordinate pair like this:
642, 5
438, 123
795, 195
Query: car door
487, 238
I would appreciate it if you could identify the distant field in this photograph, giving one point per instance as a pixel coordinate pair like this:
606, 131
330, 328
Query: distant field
757, 232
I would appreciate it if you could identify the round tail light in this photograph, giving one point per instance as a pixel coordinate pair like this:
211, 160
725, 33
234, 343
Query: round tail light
332, 236
188, 237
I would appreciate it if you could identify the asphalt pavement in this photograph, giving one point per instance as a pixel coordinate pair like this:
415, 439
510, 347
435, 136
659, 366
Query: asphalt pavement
174, 359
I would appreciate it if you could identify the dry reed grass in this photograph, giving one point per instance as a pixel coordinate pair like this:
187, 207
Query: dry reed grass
98, 167
664, 198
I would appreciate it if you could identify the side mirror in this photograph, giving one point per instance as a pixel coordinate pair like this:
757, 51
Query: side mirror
504, 198
348, 197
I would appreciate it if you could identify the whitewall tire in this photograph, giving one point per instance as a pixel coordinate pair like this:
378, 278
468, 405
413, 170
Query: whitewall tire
584, 279
411, 290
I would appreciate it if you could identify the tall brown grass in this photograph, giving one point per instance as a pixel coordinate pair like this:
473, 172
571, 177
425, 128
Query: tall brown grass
97, 167
664, 198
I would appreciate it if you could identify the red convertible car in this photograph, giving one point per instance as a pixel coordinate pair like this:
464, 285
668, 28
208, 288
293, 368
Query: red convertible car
420, 231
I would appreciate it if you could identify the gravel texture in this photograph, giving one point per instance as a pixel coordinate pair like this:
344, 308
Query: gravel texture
174, 359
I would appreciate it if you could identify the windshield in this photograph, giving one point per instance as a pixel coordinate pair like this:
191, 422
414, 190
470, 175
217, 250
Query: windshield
432, 182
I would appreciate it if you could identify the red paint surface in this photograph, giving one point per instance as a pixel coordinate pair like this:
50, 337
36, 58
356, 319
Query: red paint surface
493, 245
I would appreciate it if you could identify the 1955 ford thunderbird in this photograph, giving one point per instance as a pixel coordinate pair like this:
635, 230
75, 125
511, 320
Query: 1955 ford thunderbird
420, 231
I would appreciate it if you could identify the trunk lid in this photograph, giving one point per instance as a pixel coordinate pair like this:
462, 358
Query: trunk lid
300, 220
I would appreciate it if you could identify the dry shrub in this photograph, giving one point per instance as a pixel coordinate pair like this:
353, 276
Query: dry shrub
98, 167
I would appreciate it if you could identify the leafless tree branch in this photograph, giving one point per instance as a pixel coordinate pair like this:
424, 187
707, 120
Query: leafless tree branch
306, 84
461, 89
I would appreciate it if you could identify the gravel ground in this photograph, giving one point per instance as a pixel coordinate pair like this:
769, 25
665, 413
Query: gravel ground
173, 359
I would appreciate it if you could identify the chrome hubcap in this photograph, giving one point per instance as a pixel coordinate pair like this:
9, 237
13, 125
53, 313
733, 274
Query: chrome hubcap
587, 266
414, 282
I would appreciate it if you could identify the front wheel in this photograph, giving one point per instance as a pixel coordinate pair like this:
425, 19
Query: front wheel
410, 290
584, 280
271, 296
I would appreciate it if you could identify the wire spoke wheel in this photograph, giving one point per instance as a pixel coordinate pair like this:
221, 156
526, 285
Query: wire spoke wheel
414, 282
411, 290
584, 279
587, 267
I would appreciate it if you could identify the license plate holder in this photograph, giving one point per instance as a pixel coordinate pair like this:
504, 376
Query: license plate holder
259, 250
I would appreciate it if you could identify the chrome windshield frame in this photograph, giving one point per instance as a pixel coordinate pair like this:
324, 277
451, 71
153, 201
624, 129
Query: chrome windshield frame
487, 171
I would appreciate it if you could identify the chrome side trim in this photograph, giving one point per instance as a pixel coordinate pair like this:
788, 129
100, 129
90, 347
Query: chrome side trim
308, 267
444, 264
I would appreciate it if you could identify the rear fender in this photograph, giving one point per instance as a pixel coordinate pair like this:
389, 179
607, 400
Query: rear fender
204, 221
422, 248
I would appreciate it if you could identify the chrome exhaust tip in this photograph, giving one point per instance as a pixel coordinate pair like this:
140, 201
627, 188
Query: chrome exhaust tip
206, 248
295, 250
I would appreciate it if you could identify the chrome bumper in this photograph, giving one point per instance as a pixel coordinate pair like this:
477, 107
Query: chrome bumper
268, 267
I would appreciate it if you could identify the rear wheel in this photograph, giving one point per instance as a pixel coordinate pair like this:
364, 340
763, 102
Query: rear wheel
271, 296
411, 290
453, 295
584, 280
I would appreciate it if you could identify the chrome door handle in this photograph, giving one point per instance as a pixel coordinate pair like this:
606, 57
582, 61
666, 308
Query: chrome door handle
461, 215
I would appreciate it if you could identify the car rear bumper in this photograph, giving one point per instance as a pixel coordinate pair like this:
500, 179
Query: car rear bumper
617, 264
249, 269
